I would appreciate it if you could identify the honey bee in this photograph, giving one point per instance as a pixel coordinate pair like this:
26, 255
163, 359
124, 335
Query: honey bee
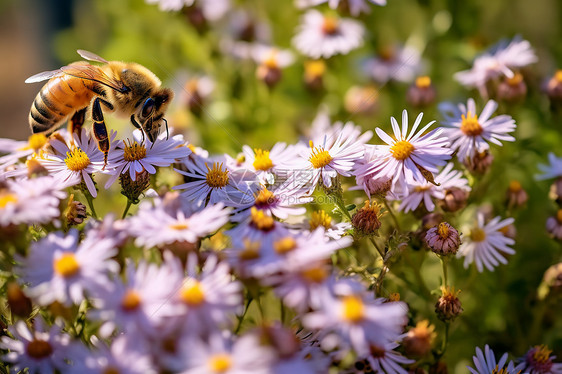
127, 89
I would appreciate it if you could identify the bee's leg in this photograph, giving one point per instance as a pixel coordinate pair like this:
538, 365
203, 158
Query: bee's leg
76, 122
100, 130
167, 131
136, 124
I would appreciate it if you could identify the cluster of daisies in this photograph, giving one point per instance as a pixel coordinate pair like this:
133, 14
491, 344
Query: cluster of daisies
169, 287
245, 264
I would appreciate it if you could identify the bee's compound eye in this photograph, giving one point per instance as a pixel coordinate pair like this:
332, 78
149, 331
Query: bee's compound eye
147, 108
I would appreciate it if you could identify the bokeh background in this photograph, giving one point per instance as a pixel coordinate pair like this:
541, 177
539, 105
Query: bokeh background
503, 308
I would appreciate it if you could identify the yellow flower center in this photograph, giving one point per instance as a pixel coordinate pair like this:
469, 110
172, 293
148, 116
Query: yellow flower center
36, 141
179, 226
192, 148
264, 197
192, 293
423, 82
470, 125
443, 230
220, 363
262, 160
394, 296
39, 349
402, 150
131, 301
477, 234
314, 69
251, 250
514, 186
542, 354
77, 160
558, 76
559, 216
319, 218
271, 61
353, 309
284, 245
320, 157
515, 80
315, 274
261, 221
330, 25
7, 198
216, 177
66, 265
134, 152
192, 85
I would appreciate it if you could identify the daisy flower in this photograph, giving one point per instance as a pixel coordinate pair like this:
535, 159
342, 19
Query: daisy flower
411, 158
371, 182
279, 203
485, 243
213, 10
359, 320
154, 227
133, 304
135, 156
538, 360
470, 134
30, 201
57, 268
17, 150
268, 163
126, 355
223, 355
323, 162
76, 161
554, 170
500, 60
325, 36
202, 302
485, 363
211, 182
319, 218
42, 349
384, 359
396, 63
424, 192
356, 7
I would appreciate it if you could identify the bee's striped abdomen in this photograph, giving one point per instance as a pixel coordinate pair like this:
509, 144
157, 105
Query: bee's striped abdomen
59, 98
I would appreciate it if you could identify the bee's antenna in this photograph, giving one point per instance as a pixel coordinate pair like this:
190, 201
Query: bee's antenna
167, 131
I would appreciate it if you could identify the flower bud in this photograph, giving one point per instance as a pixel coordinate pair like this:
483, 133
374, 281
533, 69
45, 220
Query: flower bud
269, 74
75, 212
448, 307
553, 89
366, 221
454, 200
419, 339
35, 169
516, 196
20, 305
362, 100
512, 90
443, 239
314, 75
554, 225
421, 93
480, 162
132, 189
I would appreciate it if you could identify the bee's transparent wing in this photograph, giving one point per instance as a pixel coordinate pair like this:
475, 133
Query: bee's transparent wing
43, 76
94, 73
91, 56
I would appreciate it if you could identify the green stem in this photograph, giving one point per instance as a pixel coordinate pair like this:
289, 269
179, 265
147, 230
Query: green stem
444, 265
241, 317
396, 223
90, 201
129, 203
379, 250
341, 206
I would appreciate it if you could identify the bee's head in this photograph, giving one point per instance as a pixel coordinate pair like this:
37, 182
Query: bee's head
150, 115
